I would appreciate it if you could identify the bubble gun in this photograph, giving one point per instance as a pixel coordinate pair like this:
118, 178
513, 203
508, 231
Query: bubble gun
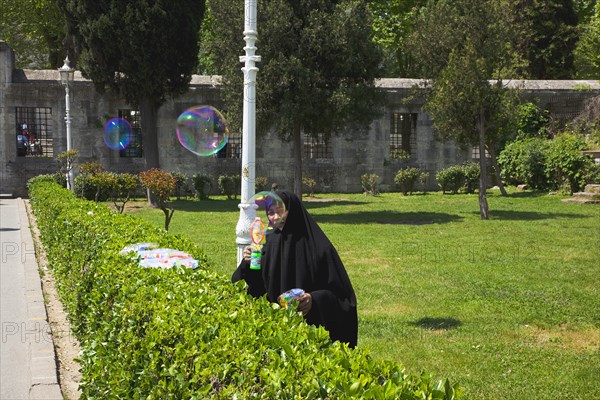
257, 234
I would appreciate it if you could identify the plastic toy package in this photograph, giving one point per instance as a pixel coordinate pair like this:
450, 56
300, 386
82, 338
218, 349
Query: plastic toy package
150, 256
290, 298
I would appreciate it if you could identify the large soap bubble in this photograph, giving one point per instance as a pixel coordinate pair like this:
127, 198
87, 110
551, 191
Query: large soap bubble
202, 130
117, 133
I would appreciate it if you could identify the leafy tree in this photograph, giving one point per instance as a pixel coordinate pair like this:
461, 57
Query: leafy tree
144, 50
546, 37
467, 53
35, 30
393, 21
317, 71
587, 53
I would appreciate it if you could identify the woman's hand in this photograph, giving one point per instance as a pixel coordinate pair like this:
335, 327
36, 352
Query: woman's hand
304, 303
247, 253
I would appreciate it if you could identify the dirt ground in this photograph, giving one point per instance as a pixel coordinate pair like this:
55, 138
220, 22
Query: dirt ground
66, 344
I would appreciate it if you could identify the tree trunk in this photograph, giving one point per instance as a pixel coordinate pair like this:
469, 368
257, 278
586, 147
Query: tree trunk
298, 147
483, 204
497, 170
148, 114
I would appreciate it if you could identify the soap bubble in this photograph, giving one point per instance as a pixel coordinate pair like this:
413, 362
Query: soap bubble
202, 130
117, 133
270, 207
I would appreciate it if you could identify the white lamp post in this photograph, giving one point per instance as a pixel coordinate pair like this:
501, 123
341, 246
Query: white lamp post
248, 210
67, 75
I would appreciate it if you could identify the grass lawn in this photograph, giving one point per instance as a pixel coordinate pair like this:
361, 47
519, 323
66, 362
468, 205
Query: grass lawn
508, 307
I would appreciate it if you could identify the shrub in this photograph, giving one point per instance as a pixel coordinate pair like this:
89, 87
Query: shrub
181, 184
423, 180
261, 183
92, 183
524, 162
471, 171
161, 184
565, 164
532, 121
180, 333
229, 185
122, 186
451, 179
309, 186
593, 174
407, 178
202, 185
369, 184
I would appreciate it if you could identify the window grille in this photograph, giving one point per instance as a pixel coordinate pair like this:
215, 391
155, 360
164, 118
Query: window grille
403, 138
475, 153
317, 147
34, 131
233, 148
135, 149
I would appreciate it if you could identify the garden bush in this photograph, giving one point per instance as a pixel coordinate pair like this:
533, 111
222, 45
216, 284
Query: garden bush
309, 186
93, 183
161, 185
407, 178
191, 334
451, 179
181, 184
260, 183
566, 166
202, 185
369, 184
229, 185
524, 162
471, 171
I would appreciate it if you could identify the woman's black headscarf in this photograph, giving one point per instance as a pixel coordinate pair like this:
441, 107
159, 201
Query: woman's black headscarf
301, 256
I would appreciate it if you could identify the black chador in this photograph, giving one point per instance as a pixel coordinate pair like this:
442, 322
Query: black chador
301, 256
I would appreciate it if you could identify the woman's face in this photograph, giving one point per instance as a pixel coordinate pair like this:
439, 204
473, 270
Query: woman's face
276, 215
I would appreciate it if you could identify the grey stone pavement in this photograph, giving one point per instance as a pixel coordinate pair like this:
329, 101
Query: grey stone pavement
28, 365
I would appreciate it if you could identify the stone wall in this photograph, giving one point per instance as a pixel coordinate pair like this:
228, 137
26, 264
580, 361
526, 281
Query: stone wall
354, 152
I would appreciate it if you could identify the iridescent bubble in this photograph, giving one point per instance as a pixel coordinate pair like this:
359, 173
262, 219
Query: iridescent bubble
270, 207
202, 130
117, 133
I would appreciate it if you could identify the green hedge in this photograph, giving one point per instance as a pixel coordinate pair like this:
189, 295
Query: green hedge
191, 334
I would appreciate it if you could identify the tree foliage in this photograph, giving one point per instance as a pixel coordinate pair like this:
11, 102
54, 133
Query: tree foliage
317, 69
35, 30
393, 21
547, 36
587, 53
144, 50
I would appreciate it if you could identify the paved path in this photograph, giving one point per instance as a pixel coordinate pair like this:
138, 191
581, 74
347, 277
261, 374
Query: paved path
27, 357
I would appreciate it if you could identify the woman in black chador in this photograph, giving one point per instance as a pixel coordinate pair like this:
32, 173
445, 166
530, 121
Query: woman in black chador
298, 255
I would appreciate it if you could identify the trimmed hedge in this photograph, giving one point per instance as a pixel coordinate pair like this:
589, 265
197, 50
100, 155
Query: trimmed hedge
191, 334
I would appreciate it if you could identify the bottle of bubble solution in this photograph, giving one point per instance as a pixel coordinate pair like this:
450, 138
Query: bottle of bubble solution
257, 234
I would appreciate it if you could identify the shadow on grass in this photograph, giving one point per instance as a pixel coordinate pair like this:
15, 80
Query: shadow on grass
528, 215
437, 323
227, 205
388, 218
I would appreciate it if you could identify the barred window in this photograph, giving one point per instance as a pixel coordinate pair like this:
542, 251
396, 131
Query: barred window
475, 153
233, 148
317, 147
403, 138
34, 131
135, 149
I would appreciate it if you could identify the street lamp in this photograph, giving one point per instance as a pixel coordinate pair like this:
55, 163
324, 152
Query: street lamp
247, 210
67, 75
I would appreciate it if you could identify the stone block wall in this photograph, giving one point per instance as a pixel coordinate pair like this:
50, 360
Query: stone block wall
354, 153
